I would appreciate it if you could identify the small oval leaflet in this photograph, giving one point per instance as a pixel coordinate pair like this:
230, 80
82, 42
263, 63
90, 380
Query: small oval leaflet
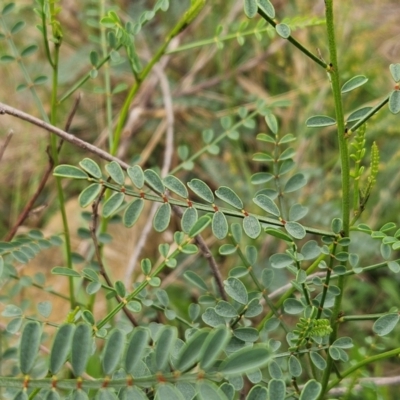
272, 122
385, 324
296, 182
394, 102
225, 309
202, 190
89, 194
216, 341
112, 351
136, 175
91, 167
295, 368
195, 279
318, 121
162, 217
267, 7
29, 50
219, 225
236, 290
69, 171
81, 348
200, 225
210, 317
258, 392
251, 226
112, 204
208, 390
280, 260
176, 186
277, 389
358, 114
29, 346
164, 345
267, 204
154, 181
190, 352
318, 360
295, 229
354, 83
116, 173
229, 196
283, 30
61, 347
250, 8
132, 212
136, 347
395, 71
297, 212
189, 218
293, 306
311, 390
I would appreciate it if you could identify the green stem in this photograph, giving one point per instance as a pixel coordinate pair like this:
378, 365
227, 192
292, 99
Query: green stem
365, 317
345, 175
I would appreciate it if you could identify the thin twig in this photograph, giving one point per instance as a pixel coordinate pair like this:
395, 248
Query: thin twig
6, 142
103, 272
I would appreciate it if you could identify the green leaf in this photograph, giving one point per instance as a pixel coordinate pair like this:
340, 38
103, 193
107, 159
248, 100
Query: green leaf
89, 195
343, 343
154, 181
132, 212
245, 360
272, 122
395, 71
319, 121
293, 306
29, 50
258, 392
17, 27
81, 348
136, 175
45, 308
318, 360
189, 218
195, 279
296, 182
267, 7
210, 317
29, 346
267, 204
287, 154
166, 391
358, 114
225, 309
164, 345
136, 348
276, 389
219, 225
250, 8
254, 308
65, 271
297, 212
69, 171
7, 58
310, 250
385, 324
162, 217
295, 229
61, 347
208, 135
209, 391
236, 290
199, 225
91, 167
8, 8
112, 204
261, 177
354, 83
311, 390
394, 102
11, 310
295, 368
251, 226
202, 190
112, 351
280, 260
215, 343
227, 249
283, 30
191, 351
278, 234
115, 172
246, 334
263, 157
229, 196
176, 186
21, 395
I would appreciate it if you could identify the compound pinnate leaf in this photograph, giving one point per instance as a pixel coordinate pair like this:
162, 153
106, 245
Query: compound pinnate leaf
354, 83
191, 351
267, 204
385, 324
245, 360
176, 186
137, 346
116, 173
219, 225
236, 290
132, 212
189, 218
162, 217
91, 167
251, 226
395, 71
295, 229
164, 345
136, 175
61, 347
112, 204
229, 196
311, 390
319, 121
283, 30
267, 7
69, 171
112, 351
81, 348
29, 346
88, 195
154, 181
202, 190
250, 8
394, 102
